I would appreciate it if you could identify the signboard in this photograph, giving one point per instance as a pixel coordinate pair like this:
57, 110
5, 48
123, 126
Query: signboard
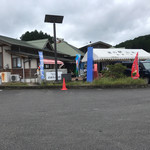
41, 65
50, 76
90, 64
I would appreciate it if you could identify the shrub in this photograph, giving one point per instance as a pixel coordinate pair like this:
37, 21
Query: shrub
115, 71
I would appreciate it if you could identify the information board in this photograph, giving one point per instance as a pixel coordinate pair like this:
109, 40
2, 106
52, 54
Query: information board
50, 76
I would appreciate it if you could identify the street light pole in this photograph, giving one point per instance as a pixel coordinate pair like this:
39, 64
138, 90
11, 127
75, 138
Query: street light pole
55, 48
54, 19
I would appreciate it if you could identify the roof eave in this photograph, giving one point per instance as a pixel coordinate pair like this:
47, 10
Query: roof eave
8, 44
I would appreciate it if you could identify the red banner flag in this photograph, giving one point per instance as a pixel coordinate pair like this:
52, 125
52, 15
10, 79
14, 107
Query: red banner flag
135, 68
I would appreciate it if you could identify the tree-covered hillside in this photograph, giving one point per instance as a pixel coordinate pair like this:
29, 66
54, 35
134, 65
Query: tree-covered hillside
142, 42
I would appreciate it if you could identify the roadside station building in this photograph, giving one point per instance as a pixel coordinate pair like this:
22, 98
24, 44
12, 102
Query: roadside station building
19, 60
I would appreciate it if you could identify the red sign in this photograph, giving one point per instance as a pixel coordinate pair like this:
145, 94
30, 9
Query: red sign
95, 71
135, 68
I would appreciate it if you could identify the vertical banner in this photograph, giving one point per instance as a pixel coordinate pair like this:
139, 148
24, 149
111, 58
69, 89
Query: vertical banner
135, 68
78, 57
90, 64
41, 65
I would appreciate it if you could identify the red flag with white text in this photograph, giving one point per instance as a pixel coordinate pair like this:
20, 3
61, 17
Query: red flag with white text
135, 68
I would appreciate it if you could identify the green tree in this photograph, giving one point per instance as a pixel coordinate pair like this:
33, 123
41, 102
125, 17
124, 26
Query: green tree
35, 35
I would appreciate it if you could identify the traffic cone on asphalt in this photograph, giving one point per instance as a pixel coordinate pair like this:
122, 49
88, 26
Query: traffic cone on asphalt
64, 85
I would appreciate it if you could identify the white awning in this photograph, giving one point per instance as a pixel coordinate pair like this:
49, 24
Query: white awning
117, 54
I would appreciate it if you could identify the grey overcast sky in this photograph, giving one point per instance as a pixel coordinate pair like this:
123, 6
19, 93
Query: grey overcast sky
110, 21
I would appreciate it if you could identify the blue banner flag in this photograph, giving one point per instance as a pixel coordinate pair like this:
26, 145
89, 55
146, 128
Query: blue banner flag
78, 57
41, 65
90, 64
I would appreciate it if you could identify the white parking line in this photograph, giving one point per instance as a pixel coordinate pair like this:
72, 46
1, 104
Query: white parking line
1, 90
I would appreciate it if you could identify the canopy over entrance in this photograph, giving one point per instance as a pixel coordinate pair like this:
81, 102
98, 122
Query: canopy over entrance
51, 61
117, 54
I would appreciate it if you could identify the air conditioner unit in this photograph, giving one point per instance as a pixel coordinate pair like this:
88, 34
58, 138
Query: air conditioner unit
14, 77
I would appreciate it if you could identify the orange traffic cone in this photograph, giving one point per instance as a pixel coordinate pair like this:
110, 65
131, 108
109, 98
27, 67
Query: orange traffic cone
64, 85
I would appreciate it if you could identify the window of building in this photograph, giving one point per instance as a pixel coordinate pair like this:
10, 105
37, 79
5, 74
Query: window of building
46, 66
0, 60
17, 62
49, 66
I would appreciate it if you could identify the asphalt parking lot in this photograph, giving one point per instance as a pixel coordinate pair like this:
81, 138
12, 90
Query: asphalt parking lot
92, 119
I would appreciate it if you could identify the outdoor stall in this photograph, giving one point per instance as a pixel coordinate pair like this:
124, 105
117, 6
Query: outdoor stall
49, 69
106, 56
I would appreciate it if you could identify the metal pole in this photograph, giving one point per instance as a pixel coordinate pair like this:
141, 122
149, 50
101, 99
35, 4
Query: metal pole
23, 70
55, 49
30, 68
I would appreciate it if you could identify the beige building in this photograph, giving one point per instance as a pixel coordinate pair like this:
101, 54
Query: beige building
19, 60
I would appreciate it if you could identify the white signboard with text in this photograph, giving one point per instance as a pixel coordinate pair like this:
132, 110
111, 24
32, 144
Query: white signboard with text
50, 76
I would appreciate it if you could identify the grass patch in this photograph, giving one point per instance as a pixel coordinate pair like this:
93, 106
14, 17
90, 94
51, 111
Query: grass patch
101, 82
15, 84
127, 81
119, 81
72, 83
80, 83
45, 83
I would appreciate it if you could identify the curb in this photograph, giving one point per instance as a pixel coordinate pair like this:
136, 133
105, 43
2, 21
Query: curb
77, 87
